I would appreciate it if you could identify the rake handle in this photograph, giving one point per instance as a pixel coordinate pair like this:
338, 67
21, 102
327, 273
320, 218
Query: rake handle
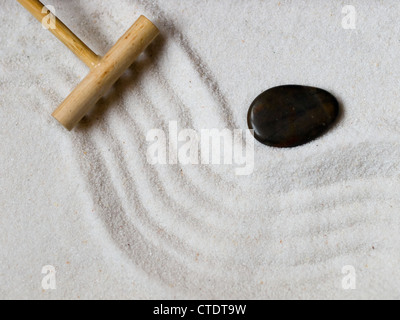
104, 71
65, 35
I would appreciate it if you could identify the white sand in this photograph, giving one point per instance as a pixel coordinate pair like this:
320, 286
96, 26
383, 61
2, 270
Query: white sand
88, 203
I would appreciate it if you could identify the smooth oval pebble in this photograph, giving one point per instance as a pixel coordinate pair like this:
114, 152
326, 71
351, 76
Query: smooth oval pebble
289, 116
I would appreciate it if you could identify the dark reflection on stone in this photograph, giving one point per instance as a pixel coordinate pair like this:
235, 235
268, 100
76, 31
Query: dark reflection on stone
289, 116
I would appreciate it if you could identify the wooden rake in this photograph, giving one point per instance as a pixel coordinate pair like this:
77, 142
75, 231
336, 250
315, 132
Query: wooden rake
105, 71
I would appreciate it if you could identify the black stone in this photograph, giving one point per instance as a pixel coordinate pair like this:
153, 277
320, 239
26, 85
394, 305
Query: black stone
289, 116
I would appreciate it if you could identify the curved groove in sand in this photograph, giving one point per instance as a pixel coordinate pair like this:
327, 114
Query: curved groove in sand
144, 231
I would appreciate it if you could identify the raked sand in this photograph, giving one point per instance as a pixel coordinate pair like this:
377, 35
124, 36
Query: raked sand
114, 226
